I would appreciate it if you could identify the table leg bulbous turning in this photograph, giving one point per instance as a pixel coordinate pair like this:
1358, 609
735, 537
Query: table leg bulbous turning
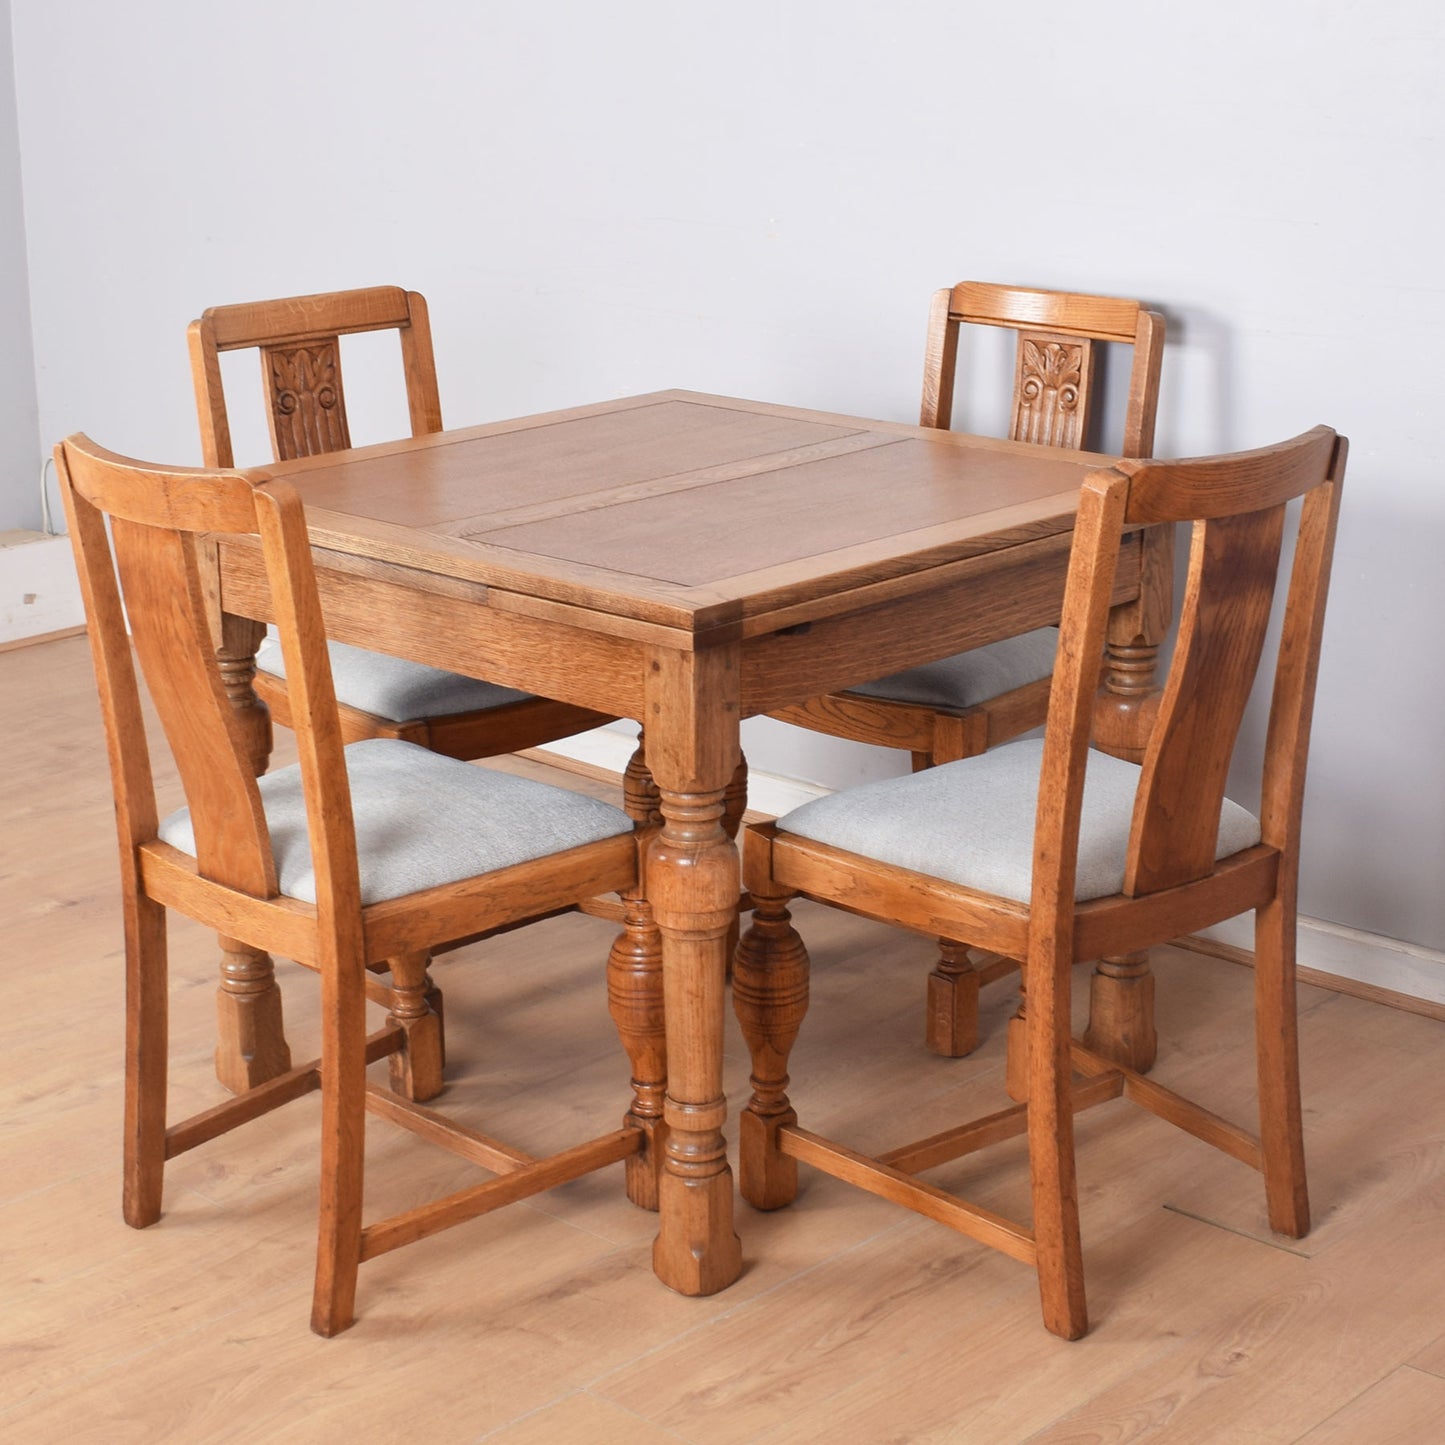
250, 1033
1121, 991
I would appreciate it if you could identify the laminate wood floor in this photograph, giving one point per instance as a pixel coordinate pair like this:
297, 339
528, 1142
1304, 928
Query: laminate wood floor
853, 1323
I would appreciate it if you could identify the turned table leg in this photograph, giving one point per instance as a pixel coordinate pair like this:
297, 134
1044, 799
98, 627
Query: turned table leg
1121, 991
693, 883
250, 1035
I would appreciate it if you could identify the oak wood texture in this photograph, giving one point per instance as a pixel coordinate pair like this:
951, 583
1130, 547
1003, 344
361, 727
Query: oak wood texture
1172, 882
850, 1323
1052, 405
160, 520
298, 342
685, 560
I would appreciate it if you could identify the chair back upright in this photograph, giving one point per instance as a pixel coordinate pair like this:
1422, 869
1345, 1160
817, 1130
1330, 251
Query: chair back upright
1237, 507
162, 523
1054, 367
298, 339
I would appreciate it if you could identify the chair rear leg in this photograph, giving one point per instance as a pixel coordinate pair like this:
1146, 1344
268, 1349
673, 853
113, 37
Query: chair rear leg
1277, 1051
145, 1061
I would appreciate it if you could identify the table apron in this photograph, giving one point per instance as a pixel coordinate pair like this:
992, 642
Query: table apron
1006, 594
459, 632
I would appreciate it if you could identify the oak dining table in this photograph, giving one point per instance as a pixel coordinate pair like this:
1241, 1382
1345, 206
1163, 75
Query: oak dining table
687, 561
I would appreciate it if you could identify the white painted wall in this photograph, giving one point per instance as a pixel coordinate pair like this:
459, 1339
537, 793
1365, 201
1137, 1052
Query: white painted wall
20, 449
757, 199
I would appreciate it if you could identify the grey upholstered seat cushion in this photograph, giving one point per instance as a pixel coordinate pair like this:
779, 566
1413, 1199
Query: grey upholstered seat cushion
972, 822
422, 820
393, 688
967, 678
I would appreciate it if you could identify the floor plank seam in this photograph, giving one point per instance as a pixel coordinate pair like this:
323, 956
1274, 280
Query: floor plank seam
1241, 1233
246, 1305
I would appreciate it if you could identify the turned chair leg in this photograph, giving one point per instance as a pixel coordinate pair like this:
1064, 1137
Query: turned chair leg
953, 988
634, 998
415, 1068
770, 997
1121, 1011
251, 1043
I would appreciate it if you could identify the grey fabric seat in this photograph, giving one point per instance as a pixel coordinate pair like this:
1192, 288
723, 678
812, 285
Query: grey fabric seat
395, 689
422, 820
972, 822
969, 678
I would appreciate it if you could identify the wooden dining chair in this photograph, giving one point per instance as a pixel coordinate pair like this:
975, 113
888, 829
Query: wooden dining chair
1056, 853
961, 705
358, 853
299, 342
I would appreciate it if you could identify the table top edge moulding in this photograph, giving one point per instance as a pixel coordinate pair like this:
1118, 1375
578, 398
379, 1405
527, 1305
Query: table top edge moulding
778, 523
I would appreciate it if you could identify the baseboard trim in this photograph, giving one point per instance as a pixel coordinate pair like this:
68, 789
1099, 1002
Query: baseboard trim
1366, 961
39, 588
18, 642
1335, 982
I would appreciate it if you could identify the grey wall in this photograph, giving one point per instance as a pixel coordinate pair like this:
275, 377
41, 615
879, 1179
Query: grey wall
758, 199
20, 449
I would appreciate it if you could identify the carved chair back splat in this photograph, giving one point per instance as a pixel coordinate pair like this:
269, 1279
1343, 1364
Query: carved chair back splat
962, 705
298, 340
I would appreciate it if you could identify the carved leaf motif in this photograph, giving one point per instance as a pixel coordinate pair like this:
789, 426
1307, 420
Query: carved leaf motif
1050, 392
306, 399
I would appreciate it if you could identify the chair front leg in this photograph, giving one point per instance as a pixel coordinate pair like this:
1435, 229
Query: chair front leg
415, 1068
953, 986
770, 998
343, 1142
634, 998
1059, 1257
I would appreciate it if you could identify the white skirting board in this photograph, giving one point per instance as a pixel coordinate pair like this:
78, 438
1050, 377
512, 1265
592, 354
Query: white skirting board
39, 591
1368, 958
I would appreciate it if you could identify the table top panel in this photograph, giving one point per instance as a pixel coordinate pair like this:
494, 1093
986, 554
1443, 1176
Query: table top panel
683, 510
459, 478
705, 535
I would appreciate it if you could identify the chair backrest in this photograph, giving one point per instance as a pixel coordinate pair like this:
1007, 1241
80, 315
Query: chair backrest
1054, 370
1237, 505
162, 520
299, 342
